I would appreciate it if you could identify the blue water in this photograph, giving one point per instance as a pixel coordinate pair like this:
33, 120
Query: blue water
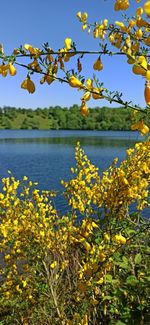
47, 156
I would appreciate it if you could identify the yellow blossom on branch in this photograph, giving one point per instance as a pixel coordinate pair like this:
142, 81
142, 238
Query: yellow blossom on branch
147, 93
12, 69
120, 239
143, 128
28, 85
32, 50
97, 93
84, 110
75, 83
121, 5
98, 65
147, 8
82, 16
53, 265
5, 68
68, 43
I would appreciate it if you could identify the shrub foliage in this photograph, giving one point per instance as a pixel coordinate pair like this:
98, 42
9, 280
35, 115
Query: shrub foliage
90, 266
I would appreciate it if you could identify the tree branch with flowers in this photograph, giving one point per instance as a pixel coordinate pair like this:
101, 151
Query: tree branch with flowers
129, 37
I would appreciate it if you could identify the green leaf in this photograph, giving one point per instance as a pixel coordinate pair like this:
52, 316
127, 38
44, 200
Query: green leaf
132, 280
117, 256
108, 278
107, 298
130, 232
125, 260
138, 258
120, 323
147, 278
123, 265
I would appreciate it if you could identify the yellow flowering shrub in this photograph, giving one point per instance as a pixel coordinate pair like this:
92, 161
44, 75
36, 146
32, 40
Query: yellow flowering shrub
118, 188
88, 266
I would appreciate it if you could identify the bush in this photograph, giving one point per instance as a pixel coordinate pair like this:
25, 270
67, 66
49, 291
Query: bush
90, 266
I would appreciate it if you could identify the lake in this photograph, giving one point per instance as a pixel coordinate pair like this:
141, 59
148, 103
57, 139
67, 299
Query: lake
47, 156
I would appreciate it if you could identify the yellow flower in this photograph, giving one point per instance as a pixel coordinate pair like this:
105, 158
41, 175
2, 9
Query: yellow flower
78, 14
42, 233
147, 8
96, 94
12, 69
100, 281
98, 65
148, 75
120, 239
120, 24
140, 69
86, 96
53, 265
4, 68
24, 283
15, 222
18, 288
87, 246
89, 83
131, 23
16, 51
84, 321
31, 49
139, 34
25, 178
84, 110
102, 257
7, 257
82, 17
131, 59
27, 46
74, 82
139, 12
68, 42
147, 93
34, 65
121, 5
84, 26
96, 32
28, 85
147, 40
106, 237
144, 129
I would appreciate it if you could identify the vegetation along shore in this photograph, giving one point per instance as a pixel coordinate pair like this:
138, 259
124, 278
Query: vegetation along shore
58, 118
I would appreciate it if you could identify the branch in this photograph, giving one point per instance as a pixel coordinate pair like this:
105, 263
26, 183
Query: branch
108, 98
79, 52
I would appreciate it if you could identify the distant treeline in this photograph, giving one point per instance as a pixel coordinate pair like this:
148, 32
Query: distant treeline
57, 117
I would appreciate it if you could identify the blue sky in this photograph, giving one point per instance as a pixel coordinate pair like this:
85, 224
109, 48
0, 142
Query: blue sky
36, 22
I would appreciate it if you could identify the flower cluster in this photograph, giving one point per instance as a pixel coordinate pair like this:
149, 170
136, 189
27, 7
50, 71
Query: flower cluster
121, 5
117, 189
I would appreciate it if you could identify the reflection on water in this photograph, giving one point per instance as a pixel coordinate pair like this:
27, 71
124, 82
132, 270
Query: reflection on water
66, 133
85, 141
46, 156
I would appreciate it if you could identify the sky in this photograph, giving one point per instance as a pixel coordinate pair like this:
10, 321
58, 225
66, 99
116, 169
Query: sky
35, 22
